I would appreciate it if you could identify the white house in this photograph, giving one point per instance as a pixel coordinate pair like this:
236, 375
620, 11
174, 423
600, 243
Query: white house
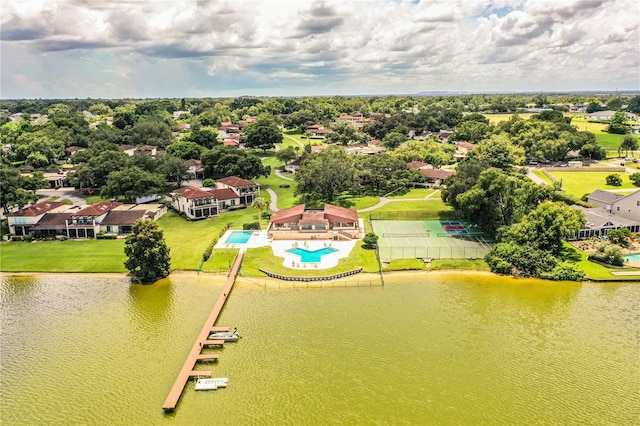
612, 211
20, 222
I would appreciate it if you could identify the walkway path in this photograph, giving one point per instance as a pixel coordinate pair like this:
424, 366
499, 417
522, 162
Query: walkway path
300, 144
385, 200
281, 176
69, 193
273, 204
203, 338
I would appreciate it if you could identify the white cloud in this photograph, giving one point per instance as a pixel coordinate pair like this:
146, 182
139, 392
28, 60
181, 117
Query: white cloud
73, 48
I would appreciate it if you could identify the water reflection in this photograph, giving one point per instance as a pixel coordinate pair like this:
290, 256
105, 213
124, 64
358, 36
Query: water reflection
151, 305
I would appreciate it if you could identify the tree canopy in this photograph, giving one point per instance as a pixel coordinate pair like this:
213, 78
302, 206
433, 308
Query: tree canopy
148, 257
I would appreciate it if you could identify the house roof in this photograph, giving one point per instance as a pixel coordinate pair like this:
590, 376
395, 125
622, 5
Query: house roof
193, 162
126, 147
436, 173
329, 213
416, 165
466, 145
97, 209
123, 217
37, 209
236, 182
193, 192
224, 194
52, 221
604, 196
598, 218
335, 212
288, 215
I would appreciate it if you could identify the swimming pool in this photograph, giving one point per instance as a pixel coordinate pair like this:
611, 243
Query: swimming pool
238, 237
311, 256
633, 257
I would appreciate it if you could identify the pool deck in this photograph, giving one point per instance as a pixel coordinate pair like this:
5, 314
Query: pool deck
292, 261
329, 260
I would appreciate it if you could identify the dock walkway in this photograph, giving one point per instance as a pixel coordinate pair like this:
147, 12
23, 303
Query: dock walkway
203, 340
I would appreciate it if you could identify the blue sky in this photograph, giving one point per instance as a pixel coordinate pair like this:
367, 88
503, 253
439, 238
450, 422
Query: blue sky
117, 48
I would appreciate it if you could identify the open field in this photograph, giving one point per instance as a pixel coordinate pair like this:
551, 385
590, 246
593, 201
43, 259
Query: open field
581, 183
413, 193
496, 118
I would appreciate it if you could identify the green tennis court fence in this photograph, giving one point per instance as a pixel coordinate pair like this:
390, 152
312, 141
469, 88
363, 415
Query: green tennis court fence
466, 236
404, 235
412, 215
433, 252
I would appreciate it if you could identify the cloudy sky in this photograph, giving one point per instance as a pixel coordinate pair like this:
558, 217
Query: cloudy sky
185, 48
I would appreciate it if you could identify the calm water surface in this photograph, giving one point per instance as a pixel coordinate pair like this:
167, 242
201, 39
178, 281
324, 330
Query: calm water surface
432, 349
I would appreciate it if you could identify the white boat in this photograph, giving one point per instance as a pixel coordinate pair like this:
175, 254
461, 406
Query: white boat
211, 383
227, 336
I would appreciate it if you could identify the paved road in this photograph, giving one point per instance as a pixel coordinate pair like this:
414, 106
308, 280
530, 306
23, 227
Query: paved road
273, 205
68, 193
281, 176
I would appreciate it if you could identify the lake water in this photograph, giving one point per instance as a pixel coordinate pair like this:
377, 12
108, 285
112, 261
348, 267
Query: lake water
430, 349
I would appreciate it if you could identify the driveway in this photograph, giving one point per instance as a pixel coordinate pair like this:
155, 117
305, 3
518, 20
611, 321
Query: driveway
69, 193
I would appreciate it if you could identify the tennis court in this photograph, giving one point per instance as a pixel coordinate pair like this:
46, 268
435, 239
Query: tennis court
434, 239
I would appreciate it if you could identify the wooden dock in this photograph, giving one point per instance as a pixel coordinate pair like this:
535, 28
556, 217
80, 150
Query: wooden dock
196, 354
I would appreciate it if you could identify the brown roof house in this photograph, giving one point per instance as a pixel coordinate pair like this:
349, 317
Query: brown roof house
120, 220
330, 222
20, 222
85, 223
200, 203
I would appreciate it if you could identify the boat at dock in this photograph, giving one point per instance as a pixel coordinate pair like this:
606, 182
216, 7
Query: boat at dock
211, 383
227, 336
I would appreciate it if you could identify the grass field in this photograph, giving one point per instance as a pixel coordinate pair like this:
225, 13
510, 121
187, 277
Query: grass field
594, 271
581, 183
413, 193
431, 205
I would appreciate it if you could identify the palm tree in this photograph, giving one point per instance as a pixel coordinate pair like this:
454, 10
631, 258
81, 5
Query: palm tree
261, 204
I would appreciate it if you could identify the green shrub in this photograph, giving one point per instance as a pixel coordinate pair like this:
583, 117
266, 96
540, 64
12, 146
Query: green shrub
250, 225
614, 180
16, 238
370, 241
28, 238
105, 236
565, 271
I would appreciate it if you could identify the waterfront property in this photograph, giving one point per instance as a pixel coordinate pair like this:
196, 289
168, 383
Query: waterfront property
311, 254
611, 211
21, 222
201, 203
329, 223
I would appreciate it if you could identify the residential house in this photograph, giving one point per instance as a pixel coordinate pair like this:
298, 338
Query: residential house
462, 150
201, 203
120, 220
52, 225
330, 222
85, 223
611, 211
21, 222
176, 114
226, 129
195, 203
606, 115
148, 149
130, 150
246, 190
194, 168
317, 131
371, 147
436, 177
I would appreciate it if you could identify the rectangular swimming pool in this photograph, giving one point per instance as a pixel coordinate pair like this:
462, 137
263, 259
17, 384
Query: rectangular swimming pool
239, 237
633, 257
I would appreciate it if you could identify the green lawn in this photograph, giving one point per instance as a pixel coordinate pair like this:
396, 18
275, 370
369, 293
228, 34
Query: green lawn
63, 256
188, 240
436, 205
496, 118
413, 193
286, 197
594, 271
405, 265
220, 261
357, 203
263, 257
464, 264
581, 183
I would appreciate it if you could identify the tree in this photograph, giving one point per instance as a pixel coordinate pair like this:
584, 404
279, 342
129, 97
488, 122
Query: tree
150, 130
132, 183
209, 183
393, 140
498, 151
263, 133
260, 204
370, 241
174, 169
287, 154
619, 236
204, 137
344, 133
472, 131
326, 173
614, 180
635, 178
12, 189
545, 227
618, 123
629, 143
148, 257
225, 161
185, 150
